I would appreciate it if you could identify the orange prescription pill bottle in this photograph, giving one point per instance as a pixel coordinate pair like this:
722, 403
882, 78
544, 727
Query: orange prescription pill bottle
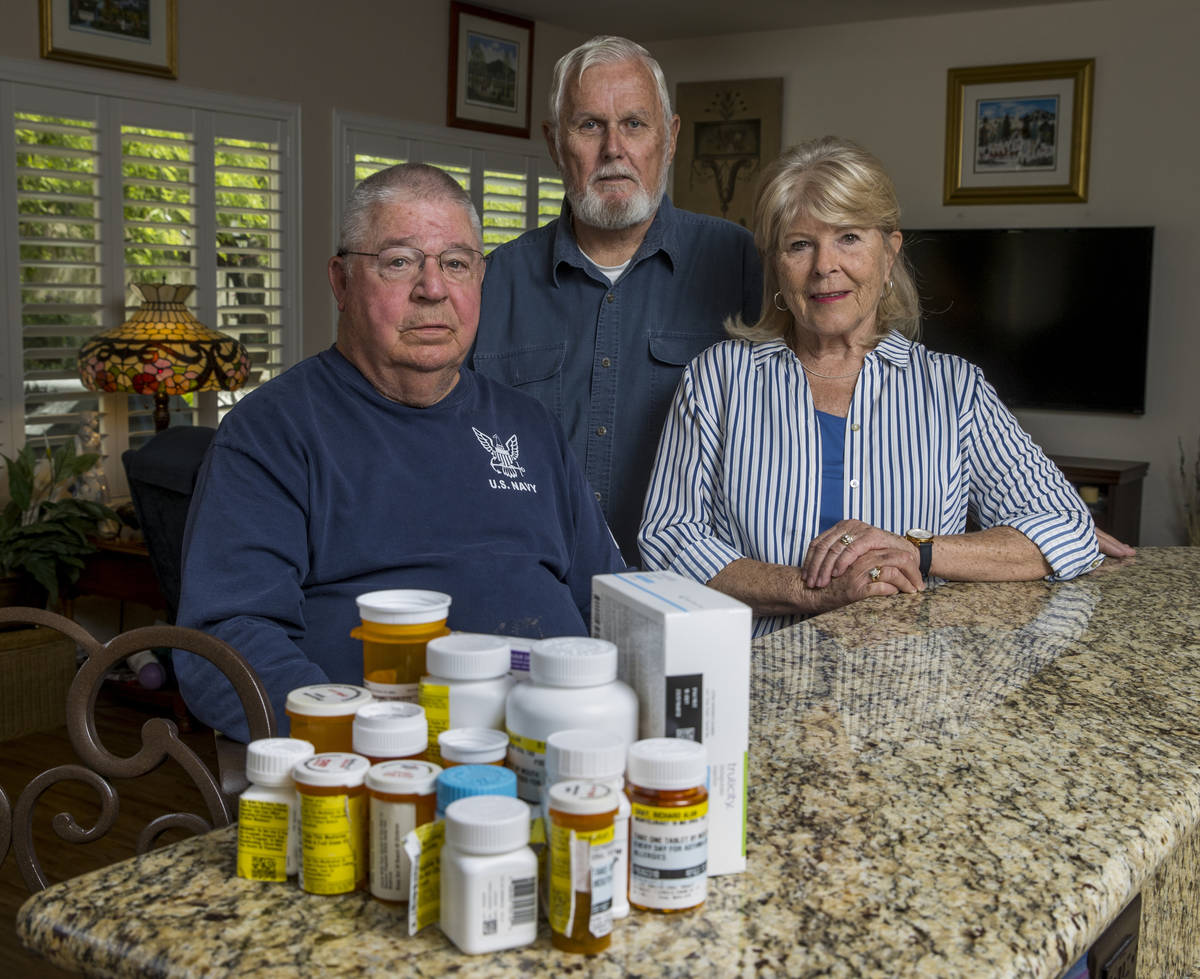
473, 746
668, 826
323, 714
581, 865
403, 796
390, 729
333, 822
396, 625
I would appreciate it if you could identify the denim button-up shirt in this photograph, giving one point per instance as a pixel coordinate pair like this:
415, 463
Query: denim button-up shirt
605, 358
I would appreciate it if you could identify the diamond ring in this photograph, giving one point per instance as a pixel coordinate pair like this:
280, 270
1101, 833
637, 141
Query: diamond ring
875, 573
847, 539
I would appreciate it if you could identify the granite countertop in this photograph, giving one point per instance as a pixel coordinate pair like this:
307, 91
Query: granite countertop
971, 781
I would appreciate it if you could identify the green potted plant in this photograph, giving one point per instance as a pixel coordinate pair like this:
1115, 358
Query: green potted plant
44, 530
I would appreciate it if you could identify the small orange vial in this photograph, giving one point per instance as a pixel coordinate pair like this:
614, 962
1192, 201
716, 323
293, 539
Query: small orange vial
396, 625
581, 865
323, 714
333, 822
390, 729
668, 826
403, 796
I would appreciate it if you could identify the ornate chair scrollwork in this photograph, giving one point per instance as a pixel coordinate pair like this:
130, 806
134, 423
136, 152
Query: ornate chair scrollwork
160, 741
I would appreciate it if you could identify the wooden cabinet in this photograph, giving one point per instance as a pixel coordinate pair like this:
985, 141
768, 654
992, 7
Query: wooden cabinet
1117, 508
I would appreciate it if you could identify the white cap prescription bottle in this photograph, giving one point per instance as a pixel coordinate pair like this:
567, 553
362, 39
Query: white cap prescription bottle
390, 729
322, 714
333, 822
595, 756
581, 865
668, 827
466, 684
489, 875
472, 746
269, 810
396, 625
403, 796
573, 684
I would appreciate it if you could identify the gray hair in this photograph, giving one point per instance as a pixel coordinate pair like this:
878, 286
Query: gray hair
405, 181
837, 182
602, 49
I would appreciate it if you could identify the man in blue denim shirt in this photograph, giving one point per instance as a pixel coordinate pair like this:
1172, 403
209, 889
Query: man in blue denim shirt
597, 314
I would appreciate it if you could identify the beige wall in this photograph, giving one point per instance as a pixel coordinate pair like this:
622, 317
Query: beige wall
884, 84
386, 59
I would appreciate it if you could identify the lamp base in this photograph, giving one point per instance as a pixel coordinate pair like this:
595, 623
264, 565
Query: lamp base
162, 417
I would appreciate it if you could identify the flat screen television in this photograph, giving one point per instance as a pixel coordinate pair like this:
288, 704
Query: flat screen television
1056, 317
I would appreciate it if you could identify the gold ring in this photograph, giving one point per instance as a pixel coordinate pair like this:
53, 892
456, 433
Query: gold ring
875, 573
847, 539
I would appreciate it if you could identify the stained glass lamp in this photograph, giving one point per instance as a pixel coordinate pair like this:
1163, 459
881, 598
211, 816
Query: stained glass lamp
163, 350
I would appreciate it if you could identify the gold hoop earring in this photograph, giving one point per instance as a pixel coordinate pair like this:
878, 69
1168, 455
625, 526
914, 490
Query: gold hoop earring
782, 309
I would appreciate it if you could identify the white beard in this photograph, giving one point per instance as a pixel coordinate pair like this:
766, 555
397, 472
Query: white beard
595, 210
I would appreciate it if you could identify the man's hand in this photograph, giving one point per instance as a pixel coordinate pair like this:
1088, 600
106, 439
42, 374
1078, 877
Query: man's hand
1112, 547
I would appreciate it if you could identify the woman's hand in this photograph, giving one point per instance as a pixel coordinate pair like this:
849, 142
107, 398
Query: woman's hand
896, 573
829, 557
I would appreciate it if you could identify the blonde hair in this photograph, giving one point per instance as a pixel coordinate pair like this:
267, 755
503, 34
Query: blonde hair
837, 182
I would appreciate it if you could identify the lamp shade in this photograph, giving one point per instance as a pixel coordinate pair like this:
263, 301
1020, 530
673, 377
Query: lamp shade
163, 350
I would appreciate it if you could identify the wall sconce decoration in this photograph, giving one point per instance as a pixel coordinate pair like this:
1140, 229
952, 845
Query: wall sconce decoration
163, 350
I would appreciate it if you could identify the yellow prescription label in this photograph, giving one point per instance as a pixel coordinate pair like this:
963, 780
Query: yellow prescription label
333, 842
435, 698
527, 744
262, 840
424, 848
668, 814
579, 862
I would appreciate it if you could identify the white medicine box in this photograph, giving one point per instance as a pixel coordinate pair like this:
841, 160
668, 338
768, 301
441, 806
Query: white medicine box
685, 650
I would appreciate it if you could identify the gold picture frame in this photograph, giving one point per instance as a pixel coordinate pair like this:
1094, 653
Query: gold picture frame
142, 37
1019, 134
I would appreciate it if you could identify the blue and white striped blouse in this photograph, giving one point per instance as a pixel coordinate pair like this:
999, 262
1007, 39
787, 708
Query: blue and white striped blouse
738, 470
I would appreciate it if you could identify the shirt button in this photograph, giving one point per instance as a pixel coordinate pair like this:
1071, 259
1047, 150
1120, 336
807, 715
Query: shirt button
597, 495
854, 484
610, 297
854, 426
606, 362
601, 430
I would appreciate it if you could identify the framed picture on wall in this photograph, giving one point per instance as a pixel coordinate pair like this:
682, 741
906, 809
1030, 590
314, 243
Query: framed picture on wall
727, 132
1019, 134
134, 35
491, 67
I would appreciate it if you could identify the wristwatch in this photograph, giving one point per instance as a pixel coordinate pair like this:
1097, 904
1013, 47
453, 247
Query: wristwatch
924, 542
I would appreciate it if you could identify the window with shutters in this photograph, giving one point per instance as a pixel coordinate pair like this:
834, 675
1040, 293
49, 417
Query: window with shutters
513, 183
106, 185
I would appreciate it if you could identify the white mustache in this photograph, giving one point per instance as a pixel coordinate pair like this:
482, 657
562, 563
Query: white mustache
605, 173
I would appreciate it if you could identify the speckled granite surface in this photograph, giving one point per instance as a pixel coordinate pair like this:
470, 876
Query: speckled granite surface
968, 782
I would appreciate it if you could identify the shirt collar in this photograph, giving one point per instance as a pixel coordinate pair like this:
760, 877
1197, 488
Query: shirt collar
895, 348
662, 236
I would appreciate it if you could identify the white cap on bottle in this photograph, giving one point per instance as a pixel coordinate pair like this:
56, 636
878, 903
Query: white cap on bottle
573, 661
468, 656
582, 798
332, 768
580, 753
390, 729
667, 763
473, 745
269, 761
487, 824
404, 777
328, 699
403, 606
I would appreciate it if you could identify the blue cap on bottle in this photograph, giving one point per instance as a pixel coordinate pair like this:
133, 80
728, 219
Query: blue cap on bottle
462, 781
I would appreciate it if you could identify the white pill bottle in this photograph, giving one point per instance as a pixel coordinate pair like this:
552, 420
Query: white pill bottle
573, 684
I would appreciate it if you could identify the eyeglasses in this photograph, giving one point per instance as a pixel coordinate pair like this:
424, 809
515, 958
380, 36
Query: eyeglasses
399, 263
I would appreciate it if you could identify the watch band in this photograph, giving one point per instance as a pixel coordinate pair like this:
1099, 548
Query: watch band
923, 540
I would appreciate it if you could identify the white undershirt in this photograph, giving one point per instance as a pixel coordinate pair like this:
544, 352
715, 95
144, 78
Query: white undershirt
610, 272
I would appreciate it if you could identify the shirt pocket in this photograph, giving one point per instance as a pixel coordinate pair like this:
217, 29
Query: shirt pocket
670, 353
535, 370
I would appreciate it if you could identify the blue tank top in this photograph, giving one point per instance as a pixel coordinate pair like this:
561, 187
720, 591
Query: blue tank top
833, 459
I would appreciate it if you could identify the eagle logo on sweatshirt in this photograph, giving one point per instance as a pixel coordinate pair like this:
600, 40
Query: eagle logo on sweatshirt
504, 454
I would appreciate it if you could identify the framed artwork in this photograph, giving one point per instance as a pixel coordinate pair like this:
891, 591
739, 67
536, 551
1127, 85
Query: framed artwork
1019, 134
727, 132
491, 67
133, 35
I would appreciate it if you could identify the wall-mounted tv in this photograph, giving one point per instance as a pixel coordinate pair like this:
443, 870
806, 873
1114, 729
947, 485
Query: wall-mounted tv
1056, 317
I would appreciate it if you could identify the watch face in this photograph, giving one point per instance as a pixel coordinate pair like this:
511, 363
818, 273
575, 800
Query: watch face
917, 534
